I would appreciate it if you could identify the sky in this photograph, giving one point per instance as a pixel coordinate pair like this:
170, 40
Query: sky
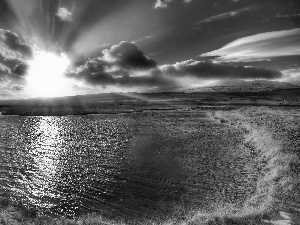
67, 47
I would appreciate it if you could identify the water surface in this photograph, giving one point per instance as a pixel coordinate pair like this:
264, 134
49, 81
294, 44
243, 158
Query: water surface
147, 165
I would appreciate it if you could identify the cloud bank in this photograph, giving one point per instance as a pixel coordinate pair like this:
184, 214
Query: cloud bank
126, 65
208, 70
260, 47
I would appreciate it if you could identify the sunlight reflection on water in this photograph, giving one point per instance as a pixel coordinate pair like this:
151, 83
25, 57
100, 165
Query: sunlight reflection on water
64, 158
47, 154
44, 148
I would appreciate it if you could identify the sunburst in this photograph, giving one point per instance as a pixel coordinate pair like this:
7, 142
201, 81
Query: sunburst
46, 75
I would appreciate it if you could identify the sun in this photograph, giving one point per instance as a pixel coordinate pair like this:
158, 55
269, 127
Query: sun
45, 76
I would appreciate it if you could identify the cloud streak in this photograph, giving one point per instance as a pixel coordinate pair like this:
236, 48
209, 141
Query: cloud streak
260, 46
187, 1
228, 15
159, 4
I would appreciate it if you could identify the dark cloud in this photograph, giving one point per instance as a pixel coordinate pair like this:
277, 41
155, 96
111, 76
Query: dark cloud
209, 70
13, 55
123, 65
98, 72
20, 69
12, 41
93, 72
128, 55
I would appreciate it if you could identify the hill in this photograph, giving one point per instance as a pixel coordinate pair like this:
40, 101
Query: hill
243, 86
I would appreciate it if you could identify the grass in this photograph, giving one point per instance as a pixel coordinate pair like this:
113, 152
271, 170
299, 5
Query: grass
273, 136
13, 215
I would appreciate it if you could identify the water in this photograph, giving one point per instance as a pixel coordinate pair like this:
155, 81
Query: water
73, 164
130, 166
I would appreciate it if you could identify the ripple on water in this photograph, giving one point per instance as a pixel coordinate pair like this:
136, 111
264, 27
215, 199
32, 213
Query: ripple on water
72, 164
128, 166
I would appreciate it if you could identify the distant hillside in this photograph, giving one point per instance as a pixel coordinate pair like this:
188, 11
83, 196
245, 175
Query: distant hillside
243, 86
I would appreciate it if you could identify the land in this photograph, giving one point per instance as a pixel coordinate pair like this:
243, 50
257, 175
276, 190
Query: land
113, 103
265, 125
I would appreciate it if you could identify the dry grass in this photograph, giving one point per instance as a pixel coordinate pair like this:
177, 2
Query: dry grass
273, 137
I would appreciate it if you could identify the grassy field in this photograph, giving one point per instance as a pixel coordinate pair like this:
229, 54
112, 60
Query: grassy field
272, 134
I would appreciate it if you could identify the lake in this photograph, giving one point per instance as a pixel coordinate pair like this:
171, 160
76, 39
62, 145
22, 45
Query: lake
136, 166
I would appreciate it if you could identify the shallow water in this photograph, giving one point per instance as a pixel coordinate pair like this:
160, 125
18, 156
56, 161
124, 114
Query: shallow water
129, 166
